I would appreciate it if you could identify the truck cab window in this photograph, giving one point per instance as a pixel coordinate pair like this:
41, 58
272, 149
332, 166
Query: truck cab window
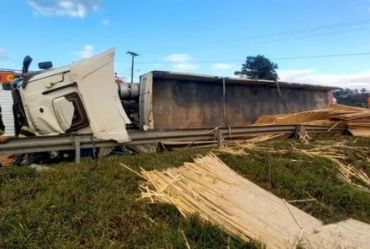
70, 112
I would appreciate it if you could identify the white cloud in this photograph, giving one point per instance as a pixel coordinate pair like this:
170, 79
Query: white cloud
71, 8
181, 62
178, 58
3, 55
311, 76
87, 51
106, 22
222, 66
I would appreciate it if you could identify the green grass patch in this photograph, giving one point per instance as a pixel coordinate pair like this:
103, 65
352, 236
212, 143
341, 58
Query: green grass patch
95, 205
295, 176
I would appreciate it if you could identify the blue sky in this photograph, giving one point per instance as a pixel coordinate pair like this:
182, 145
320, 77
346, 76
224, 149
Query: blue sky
197, 36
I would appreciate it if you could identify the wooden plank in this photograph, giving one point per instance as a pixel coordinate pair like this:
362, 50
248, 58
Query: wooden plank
347, 107
351, 116
356, 119
359, 131
301, 117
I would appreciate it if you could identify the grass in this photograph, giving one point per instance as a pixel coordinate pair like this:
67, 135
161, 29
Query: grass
296, 176
95, 205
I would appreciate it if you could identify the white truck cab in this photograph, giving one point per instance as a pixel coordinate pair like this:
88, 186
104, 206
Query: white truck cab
79, 98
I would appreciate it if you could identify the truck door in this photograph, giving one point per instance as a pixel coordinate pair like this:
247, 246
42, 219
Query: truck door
95, 81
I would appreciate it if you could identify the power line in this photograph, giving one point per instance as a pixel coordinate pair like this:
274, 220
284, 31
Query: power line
322, 56
292, 34
281, 58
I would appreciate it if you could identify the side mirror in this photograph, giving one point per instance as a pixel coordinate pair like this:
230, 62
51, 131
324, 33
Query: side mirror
45, 65
7, 86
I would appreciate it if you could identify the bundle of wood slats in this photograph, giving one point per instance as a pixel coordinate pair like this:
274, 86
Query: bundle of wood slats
356, 119
216, 193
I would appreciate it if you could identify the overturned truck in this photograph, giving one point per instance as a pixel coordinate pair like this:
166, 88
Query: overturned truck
83, 98
73, 99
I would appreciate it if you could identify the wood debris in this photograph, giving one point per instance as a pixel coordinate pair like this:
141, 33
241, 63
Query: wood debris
346, 171
239, 147
217, 194
335, 152
355, 119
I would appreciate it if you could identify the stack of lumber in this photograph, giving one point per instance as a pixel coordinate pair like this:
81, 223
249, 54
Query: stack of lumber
356, 119
218, 194
211, 189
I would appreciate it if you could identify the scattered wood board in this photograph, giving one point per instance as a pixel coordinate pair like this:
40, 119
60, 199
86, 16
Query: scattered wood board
334, 116
352, 116
346, 107
359, 131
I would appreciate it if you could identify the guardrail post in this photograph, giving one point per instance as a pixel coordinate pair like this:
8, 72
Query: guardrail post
219, 137
77, 149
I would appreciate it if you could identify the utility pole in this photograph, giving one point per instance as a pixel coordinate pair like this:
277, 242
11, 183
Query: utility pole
133, 54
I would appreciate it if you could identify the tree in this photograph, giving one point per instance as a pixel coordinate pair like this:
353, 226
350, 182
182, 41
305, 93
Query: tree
258, 67
351, 97
348, 91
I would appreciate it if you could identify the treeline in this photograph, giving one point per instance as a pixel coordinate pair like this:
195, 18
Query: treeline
352, 97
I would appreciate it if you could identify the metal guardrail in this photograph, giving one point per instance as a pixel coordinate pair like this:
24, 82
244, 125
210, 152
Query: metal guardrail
77, 142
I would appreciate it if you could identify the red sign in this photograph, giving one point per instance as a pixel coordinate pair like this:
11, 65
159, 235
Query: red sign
6, 77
